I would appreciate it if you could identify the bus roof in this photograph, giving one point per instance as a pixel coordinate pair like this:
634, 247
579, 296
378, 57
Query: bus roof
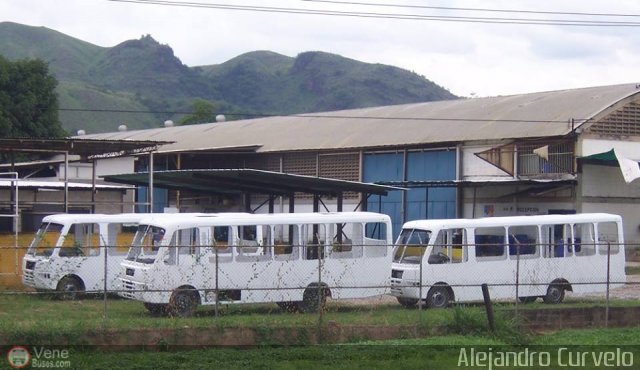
212, 219
65, 218
511, 221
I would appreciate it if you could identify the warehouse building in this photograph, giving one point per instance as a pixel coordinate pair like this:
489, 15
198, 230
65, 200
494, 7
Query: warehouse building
549, 152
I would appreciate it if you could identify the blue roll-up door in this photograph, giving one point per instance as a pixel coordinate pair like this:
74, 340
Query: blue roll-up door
431, 202
420, 203
385, 167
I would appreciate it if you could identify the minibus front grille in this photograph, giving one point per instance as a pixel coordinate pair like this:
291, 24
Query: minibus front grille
27, 276
128, 288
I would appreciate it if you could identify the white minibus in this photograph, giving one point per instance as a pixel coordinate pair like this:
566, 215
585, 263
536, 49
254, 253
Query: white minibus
68, 252
441, 261
177, 262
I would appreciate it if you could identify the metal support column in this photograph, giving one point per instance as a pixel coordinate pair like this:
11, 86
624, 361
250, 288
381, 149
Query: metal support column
150, 190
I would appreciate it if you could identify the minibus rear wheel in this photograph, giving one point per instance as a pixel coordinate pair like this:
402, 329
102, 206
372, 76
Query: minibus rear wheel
291, 307
555, 294
311, 302
156, 309
407, 302
528, 299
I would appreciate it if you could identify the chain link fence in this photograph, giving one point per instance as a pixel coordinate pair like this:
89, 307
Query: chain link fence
307, 284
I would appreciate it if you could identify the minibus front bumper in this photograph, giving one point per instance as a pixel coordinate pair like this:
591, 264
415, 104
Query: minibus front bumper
405, 282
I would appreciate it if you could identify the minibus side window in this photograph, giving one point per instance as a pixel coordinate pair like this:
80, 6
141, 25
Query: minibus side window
489, 243
583, 239
608, 236
255, 243
557, 240
449, 247
120, 238
523, 241
346, 240
314, 239
286, 242
81, 240
375, 240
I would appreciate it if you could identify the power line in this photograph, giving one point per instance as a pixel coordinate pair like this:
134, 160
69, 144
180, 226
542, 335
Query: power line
326, 116
474, 9
398, 16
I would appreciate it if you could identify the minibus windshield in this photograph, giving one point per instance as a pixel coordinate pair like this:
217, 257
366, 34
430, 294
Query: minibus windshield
411, 245
146, 244
45, 240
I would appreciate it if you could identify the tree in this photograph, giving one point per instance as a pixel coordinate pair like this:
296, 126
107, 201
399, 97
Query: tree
28, 102
202, 113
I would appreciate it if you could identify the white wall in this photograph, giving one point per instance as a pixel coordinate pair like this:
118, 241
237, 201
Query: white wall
115, 166
607, 181
589, 146
604, 190
108, 166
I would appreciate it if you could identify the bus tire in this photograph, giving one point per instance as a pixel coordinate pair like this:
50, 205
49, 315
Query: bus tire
439, 297
156, 309
290, 307
311, 303
555, 293
183, 303
407, 302
70, 288
529, 299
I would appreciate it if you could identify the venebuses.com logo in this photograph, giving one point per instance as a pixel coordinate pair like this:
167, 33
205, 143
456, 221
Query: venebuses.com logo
18, 357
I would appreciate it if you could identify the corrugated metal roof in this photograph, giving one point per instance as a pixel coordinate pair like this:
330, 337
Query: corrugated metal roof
44, 184
516, 116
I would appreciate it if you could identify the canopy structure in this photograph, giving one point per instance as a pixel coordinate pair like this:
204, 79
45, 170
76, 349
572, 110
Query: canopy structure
236, 181
86, 148
250, 181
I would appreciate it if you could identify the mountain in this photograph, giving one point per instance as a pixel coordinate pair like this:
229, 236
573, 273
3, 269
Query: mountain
101, 88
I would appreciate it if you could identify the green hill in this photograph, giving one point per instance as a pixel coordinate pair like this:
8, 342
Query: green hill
144, 75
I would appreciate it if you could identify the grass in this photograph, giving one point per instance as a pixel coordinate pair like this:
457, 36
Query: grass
632, 270
440, 352
28, 313
41, 318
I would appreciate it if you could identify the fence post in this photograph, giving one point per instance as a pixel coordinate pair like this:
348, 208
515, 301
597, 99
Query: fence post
606, 308
488, 306
320, 256
517, 279
104, 315
215, 248
420, 279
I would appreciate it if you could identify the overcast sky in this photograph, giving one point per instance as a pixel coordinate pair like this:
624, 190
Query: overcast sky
467, 58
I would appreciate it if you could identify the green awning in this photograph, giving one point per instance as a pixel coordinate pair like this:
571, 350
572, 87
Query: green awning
604, 156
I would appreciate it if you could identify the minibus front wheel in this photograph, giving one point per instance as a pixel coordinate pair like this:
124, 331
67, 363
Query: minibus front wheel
183, 302
439, 296
70, 288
